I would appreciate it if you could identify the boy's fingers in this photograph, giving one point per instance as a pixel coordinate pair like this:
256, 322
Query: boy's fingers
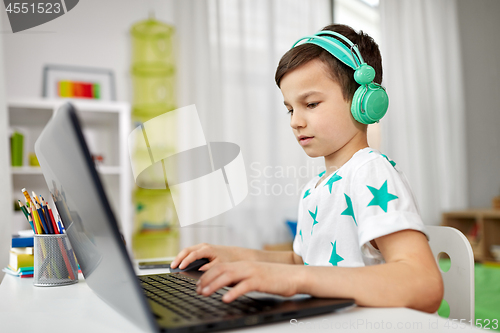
198, 254
206, 267
182, 255
218, 282
240, 289
211, 274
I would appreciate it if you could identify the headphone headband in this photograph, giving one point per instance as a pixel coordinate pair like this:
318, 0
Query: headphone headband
336, 48
344, 38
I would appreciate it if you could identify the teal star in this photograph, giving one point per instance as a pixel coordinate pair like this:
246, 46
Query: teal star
335, 258
349, 211
313, 215
390, 161
307, 193
300, 233
306, 264
381, 197
321, 174
332, 180
387, 158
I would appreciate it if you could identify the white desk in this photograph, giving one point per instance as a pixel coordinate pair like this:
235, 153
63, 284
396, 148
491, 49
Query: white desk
75, 308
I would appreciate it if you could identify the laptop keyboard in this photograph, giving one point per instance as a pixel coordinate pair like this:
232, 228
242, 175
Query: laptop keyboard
178, 294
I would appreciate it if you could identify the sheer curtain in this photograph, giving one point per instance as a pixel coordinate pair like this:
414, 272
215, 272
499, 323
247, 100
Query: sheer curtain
424, 129
228, 52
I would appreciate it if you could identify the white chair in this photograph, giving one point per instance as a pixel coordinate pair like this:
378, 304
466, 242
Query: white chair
459, 279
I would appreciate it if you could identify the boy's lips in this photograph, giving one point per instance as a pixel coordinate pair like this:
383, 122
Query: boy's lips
304, 140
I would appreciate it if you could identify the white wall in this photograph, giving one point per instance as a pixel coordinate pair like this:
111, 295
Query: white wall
5, 204
479, 29
94, 33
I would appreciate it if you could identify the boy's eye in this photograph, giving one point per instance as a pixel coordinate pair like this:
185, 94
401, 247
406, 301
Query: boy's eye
312, 105
290, 111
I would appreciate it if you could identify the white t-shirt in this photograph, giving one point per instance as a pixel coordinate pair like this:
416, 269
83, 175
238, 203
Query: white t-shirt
366, 198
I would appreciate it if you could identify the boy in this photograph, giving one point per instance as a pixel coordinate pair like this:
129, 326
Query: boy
359, 234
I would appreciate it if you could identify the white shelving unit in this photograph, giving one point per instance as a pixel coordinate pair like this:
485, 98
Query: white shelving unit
106, 126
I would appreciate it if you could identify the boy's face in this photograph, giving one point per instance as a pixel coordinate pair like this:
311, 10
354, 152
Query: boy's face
321, 119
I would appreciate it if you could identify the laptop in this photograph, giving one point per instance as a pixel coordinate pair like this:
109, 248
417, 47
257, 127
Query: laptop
155, 303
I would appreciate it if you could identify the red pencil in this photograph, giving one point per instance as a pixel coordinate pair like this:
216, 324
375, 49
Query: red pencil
56, 229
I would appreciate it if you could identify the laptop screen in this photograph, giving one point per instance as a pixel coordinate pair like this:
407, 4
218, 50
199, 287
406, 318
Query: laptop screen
87, 217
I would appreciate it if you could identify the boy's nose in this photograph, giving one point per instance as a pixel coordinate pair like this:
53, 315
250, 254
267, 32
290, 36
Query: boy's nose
297, 121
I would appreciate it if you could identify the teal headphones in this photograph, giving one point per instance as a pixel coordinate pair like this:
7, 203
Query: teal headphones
370, 101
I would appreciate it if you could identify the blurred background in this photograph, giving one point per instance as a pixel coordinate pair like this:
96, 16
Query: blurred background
441, 70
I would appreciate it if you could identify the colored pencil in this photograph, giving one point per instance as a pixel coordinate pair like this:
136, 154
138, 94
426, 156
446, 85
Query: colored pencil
22, 208
35, 197
25, 212
39, 214
56, 229
30, 220
64, 252
26, 195
34, 217
61, 227
47, 218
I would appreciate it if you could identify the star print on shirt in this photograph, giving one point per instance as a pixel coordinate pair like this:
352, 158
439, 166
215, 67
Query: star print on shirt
390, 161
335, 258
387, 158
321, 174
300, 233
307, 193
332, 180
349, 211
306, 264
313, 215
381, 197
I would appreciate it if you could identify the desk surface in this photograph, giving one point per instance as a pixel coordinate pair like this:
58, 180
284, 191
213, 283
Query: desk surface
75, 308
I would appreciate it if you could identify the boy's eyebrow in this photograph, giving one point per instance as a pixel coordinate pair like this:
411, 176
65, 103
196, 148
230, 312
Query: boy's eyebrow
307, 94
303, 96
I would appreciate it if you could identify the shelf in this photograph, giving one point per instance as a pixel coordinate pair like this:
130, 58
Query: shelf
30, 170
480, 226
26, 170
105, 127
81, 104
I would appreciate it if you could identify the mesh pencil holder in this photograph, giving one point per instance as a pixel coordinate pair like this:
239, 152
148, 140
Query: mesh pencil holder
55, 263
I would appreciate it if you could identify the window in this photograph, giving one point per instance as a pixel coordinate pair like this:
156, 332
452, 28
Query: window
361, 15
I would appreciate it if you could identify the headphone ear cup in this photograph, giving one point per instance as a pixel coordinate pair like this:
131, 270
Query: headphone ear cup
374, 102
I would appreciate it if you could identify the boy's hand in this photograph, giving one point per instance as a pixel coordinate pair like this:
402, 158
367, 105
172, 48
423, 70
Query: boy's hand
214, 253
246, 276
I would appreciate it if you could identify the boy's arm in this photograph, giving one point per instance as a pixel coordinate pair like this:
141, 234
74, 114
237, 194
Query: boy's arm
283, 257
409, 278
218, 253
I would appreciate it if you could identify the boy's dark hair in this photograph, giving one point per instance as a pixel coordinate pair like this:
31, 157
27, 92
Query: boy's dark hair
340, 73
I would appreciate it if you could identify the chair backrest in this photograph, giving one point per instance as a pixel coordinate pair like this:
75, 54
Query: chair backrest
459, 279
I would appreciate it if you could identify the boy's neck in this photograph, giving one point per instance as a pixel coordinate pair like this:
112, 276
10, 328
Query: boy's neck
337, 159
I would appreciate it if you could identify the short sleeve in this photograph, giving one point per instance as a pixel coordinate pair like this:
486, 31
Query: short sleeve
382, 200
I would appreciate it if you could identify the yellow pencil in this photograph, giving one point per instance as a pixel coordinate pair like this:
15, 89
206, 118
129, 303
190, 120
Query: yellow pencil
38, 229
37, 218
27, 196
